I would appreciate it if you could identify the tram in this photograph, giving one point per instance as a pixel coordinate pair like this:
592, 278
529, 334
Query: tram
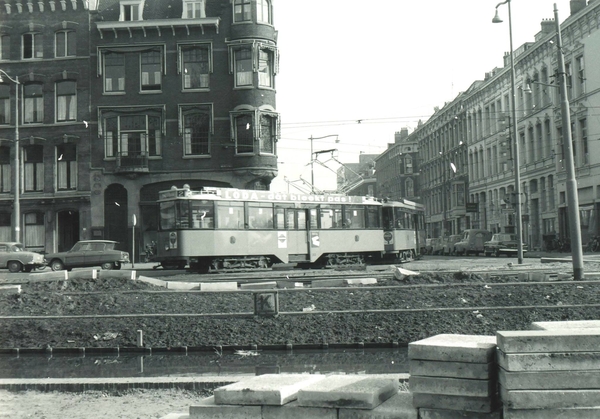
224, 229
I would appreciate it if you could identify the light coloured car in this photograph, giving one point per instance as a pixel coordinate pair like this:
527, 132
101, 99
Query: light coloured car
503, 243
14, 257
87, 253
449, 244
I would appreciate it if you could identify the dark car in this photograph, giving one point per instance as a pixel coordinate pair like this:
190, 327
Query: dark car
14, 257
87, 253
449, 244
502, 243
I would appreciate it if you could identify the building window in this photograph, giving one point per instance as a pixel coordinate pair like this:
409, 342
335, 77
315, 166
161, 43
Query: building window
66, 101
585, 150
193, 9
32, 46
242, 11
196, 132
4, 104
114, 72
243, 132
4, 47
410, 187
195, 68
132, 135
66, 167
35, 231
243, 67
265, 68
33, 165
151, 64
408, 165
5, 176
130, 11
581, 74
268, 133
66, 42
34, 103
263, 11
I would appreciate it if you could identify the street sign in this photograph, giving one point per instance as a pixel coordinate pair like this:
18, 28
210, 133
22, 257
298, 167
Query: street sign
472, 207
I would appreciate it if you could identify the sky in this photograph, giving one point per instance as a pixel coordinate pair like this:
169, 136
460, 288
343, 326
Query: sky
363, 70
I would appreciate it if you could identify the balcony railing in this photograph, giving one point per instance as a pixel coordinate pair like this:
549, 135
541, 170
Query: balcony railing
132, 162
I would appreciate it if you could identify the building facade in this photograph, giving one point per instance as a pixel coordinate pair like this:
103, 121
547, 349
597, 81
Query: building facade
166, 93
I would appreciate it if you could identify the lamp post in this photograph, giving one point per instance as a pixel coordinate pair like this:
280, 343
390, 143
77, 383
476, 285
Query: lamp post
16, 179
312, 165
518, 221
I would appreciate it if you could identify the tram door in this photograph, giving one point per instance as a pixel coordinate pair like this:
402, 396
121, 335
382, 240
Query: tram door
299, 234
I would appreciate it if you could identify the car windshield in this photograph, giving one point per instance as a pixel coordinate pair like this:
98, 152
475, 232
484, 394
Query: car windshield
16, 248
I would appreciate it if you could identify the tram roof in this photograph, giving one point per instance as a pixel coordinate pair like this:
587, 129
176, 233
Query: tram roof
232, 194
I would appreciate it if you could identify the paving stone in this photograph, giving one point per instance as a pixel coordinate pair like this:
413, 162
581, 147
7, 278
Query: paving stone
566, 325
549, 380
294, 411
218, 286
549, 399
361, 281
454, 348
452, 414
559, 340
10, 289
459, 403
176, 416
550, 361
327, 283
208, 409
176, 285
398, 406
453, 369
452, 386
271, 389
153, 281
267, 285
350, 391
575, 413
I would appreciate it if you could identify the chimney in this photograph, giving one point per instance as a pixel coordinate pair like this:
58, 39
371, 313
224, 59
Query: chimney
577, 5
548, 26
402, 135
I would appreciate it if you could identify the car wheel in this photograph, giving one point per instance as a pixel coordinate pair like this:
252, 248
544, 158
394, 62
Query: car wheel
15, 266
57, 265
497, 253
117, 265
107, 266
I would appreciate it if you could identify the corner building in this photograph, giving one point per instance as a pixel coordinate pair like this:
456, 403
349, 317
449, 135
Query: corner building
183, 93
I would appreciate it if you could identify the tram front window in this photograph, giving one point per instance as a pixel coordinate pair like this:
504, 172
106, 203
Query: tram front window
167, 215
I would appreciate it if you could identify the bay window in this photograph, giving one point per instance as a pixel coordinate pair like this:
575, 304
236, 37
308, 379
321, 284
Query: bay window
243, 67
263, 11
255, 126
242, 11
265, 68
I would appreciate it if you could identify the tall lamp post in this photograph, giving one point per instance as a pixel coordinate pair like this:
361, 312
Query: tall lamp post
312, 161
517, 163
16, 179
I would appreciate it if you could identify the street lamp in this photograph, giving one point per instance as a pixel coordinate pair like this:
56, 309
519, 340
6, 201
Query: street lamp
16, 180
312, 161
519, 221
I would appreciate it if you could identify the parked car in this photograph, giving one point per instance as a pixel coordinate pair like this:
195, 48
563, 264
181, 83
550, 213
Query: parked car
449, 244
428, 246
87, 253
502, 243
437, 245
14, 257
472, 241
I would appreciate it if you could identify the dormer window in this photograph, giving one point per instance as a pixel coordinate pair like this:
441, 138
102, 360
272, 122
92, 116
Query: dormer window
131, 10
193, 9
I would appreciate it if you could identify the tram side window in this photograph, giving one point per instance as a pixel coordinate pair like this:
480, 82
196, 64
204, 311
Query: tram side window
388, 217
203, 215
354, 217
403, 219
373, 217
167, 215
230, 215
331, 217
182, 218
301, 219
260, 216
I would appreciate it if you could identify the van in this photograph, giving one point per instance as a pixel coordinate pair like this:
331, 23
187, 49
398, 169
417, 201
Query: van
472, 242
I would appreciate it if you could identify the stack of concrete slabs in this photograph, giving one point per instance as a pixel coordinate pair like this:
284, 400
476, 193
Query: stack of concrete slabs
551, 373
454, 376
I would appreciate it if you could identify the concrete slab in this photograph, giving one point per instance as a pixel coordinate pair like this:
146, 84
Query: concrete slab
176, 416
452, 414
566, 325
121, 273
328, 283
452, 386
48, 276
81, 274
453, 369
576, 413
208, 409
267, 389
218, 286
549, 380
398, 406
401, 273
294, 411
454, 348
456, 403
267, 285
184, 286
549, 399
558, 340
153, 281
349, 391
10, 289
361, 281
550, 361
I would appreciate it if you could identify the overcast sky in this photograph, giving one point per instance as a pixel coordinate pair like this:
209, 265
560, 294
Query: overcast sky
387, 63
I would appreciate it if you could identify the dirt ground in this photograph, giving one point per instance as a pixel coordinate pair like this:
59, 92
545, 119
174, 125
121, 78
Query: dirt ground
121, 297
